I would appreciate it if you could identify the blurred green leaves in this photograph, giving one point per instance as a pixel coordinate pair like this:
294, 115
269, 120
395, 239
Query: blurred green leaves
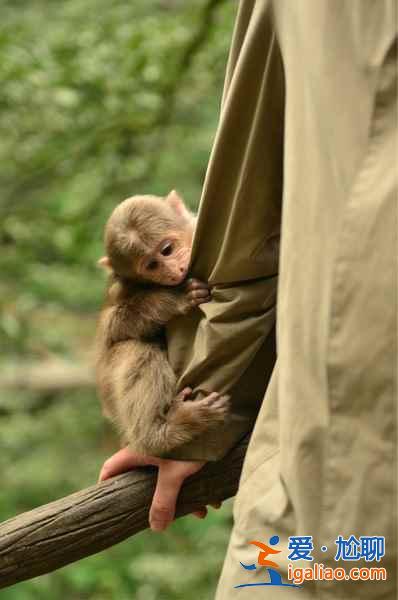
99, 100
85, 84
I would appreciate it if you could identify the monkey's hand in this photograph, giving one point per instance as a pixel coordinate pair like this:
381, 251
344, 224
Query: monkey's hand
197, 292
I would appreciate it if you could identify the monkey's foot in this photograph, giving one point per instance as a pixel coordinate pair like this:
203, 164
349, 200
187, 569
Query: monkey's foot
213, 408
197, 292
187, 419
196, 416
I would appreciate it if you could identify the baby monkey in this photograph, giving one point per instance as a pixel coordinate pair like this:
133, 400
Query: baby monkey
148, 243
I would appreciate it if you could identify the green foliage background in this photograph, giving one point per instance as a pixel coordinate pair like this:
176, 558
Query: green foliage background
99, 99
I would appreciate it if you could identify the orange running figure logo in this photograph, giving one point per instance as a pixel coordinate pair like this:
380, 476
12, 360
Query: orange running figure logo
275, 578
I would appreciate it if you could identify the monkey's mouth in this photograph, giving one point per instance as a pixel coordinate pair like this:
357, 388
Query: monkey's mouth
178, 279
175, 282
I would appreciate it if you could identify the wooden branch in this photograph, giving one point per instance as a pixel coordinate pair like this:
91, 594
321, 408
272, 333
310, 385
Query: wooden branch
98, 517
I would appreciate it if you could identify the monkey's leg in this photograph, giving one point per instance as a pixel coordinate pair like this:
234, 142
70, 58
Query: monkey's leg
153, 420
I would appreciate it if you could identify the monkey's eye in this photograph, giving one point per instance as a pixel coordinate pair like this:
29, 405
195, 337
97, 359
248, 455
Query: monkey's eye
152, 265
167, 250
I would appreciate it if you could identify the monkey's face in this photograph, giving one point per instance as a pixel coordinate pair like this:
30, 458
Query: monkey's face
168, 263
150, 239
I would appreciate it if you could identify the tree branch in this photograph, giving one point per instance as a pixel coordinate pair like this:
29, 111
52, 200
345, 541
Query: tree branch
52, 376
105, 514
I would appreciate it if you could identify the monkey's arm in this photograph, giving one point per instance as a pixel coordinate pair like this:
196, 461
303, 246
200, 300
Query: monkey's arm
159, 306
163, 304
148, 310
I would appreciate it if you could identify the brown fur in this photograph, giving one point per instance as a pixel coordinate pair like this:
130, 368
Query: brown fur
135, 380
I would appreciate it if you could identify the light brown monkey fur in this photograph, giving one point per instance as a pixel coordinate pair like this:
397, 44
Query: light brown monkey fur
148, 244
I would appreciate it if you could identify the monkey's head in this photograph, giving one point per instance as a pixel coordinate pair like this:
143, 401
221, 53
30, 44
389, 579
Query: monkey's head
148, 238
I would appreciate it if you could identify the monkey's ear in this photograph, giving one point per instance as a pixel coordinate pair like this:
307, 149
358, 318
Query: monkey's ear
105, 263
177, 203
